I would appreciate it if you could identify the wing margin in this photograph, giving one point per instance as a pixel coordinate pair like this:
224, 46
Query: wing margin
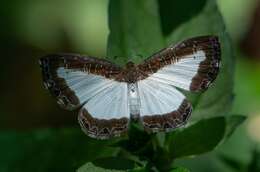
58, 86
184, 52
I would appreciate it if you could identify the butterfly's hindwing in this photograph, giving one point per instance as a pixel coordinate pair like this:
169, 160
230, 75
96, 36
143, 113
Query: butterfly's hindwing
106, 114
168, 121
102, 128
163, 107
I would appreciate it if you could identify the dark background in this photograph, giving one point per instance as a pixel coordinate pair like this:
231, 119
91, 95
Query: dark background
33, 28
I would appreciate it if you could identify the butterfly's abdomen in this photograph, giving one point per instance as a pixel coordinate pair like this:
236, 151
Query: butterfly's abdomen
134, 101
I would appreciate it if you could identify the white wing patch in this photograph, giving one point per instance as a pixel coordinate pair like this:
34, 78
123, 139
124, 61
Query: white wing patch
103, 98
158, 98
110, 103
180, 73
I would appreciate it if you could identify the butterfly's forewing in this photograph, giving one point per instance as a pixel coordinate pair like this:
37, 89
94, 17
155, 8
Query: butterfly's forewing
191, 65
88, 82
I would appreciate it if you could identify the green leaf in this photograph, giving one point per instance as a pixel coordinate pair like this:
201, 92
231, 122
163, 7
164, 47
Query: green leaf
180, 169
203, 136
198, 138
174, 13
50, 150
255, 162
230, 162
217, 100
135, 31
91, 167
233, 122
115, 163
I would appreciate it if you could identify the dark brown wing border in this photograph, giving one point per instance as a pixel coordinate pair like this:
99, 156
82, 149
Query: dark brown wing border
170, 121
101, 128
57, 86
208, 69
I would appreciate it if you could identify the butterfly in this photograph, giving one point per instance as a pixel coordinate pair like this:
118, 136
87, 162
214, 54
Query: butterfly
109, 96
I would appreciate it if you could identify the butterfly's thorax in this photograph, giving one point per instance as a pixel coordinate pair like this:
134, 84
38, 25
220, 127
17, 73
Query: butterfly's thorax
131, 74
134, 100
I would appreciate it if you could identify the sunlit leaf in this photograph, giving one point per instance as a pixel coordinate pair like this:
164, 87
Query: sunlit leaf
135, 31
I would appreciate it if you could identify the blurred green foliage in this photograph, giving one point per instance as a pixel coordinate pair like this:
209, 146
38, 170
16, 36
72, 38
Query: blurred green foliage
49, 150
137, 30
